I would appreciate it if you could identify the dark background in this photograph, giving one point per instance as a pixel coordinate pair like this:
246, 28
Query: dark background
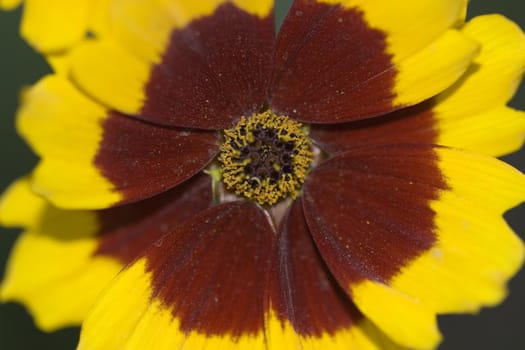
497, 328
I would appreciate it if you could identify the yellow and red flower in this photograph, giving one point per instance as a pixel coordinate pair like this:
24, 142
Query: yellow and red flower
331, 186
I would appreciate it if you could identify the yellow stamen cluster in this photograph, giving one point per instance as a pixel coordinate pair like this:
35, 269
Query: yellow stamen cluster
265, 157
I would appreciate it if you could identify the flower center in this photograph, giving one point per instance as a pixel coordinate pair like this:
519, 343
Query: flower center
265, 157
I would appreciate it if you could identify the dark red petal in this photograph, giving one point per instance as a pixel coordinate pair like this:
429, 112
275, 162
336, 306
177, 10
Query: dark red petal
213, 71
410, 125
212, 271
303, 292
369, 209
325, 59
127, 230
142, 160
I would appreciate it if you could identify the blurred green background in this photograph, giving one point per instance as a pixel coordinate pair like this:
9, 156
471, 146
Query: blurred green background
498, 328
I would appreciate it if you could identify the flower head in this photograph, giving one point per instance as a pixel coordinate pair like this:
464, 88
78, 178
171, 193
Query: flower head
272, 191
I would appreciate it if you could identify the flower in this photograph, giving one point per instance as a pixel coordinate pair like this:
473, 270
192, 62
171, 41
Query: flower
269, 193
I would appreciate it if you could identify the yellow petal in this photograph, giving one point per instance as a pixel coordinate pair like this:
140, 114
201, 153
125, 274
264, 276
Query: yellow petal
53, 272
410, 25
476, 252
111, 74
363, 336
147, 306
475, 255
65, 127
53, 26
496, 131
405, 319
143, 323
434, 68
20, 206
428, 55
9, 4
471, 113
